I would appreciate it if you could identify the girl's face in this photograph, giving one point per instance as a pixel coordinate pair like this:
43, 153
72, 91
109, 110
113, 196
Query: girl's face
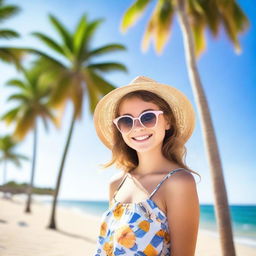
134, 107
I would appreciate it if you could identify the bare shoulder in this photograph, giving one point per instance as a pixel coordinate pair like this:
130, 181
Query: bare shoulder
116, 178
179, 186
179, 180
114, 182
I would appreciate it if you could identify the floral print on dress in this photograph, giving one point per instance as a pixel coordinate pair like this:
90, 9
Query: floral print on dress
125, 237
118, 211
138, 229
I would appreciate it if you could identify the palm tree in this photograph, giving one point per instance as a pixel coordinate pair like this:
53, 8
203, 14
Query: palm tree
9, 54
32, 96
74, 74
194, 18
8, 154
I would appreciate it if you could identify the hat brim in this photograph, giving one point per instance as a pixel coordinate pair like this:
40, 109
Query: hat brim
179, 103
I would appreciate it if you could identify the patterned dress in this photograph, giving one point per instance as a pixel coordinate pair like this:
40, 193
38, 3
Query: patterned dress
137, 229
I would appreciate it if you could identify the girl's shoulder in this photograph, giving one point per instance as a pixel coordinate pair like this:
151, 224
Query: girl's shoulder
117, 177
181, 182
180, 177
115, 181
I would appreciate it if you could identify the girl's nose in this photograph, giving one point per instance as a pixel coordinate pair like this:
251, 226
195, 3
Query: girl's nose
137, 123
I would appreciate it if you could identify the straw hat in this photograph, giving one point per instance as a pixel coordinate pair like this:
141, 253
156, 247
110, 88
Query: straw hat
179, 103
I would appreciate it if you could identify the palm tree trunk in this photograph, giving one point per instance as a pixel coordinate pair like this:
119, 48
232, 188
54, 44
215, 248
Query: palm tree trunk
4, 176
220, 194
52, 224
30, 187
5, 172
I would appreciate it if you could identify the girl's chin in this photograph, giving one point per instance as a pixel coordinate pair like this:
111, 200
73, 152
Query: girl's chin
142, 148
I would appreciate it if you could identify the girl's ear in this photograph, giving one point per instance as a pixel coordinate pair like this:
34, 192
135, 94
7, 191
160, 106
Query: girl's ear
167, 122
167, 125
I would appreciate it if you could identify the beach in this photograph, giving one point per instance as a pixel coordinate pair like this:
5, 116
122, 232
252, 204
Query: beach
26, 234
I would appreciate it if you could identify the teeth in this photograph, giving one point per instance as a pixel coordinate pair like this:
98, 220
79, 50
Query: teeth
142, 137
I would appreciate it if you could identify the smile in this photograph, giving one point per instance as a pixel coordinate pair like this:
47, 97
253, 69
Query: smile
142, 138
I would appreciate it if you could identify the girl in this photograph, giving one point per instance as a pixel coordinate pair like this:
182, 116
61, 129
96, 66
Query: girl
154, 206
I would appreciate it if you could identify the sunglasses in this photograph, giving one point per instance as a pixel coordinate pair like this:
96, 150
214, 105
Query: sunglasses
147, 119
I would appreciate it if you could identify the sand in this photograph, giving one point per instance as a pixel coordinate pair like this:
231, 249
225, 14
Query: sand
27, 234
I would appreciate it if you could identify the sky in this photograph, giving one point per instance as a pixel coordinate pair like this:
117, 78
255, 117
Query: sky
228, 81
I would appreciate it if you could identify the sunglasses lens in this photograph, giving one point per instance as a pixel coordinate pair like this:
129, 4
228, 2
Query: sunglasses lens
148, 119
125, 124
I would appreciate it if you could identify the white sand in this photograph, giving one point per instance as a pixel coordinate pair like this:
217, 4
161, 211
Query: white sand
26, 234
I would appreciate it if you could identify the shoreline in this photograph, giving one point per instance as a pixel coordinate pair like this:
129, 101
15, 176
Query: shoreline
26, 234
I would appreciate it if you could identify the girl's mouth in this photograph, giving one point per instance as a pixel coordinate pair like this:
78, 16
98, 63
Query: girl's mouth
142, 138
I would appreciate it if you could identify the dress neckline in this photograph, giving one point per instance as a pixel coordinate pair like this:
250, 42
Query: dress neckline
149, 195
147, 200
138, 203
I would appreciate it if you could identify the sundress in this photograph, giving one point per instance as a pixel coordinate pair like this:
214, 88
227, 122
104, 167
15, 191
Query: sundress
137, 229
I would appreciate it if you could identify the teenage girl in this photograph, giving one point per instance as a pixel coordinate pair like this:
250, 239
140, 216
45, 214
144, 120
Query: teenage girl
154, 206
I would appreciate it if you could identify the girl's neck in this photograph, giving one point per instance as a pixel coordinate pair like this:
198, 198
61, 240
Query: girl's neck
153, 162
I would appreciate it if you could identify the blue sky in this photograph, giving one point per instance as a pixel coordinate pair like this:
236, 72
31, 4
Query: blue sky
228, 80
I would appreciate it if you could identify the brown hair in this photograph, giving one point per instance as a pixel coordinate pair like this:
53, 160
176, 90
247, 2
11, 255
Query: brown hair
125, 157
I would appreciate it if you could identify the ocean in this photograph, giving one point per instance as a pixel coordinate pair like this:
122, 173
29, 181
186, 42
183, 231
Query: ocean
243, 218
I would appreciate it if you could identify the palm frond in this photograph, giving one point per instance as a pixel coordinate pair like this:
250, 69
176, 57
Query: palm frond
86, 36
210, 14
8, 11
18, 96
199, 37
60, 28
17, 83
108, 66
133, 13
22, 157
25, 123
8, 34
48, 67
49, 42
110, 48
12, 158
91, 28
79, 34
50, 115
241, 21
100, 83
11, 115
198, 13
232, 27
159, 26
13, 55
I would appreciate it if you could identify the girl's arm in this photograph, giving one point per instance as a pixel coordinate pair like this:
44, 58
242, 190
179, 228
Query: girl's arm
183, 212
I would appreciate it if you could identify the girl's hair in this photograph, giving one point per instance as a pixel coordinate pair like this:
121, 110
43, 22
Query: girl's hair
125, 157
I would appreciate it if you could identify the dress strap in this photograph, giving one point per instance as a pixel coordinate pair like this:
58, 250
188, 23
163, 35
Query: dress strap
119, 186
165, 178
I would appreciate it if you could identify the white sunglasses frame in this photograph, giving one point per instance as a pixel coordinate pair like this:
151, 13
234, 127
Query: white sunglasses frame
156, 112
